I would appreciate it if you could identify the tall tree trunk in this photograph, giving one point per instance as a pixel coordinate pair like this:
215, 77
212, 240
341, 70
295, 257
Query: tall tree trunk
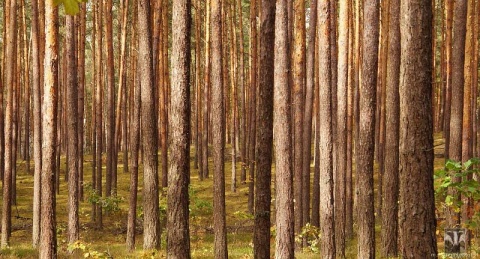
264, 138
241, 90
82, 26
389, 233
298, 68
98, 108
206, 86
252, 101
327, 227
11, 22
218, 134
134, 141
37, 125
151, 224
111, 178
72, 130
165, 95
366, 137
448, 54
307, 119
341, 160
178, 238
284, 221
417, 208
351, 88
48, 240
456, 119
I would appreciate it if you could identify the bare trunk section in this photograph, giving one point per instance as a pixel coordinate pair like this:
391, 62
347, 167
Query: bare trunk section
178, 238
366, 134
389, 233
284, 221
48, 240
327, 220
218, 134
151, 224
417, 208
264, 138
72, 130
11, 20
37, 125
456, 119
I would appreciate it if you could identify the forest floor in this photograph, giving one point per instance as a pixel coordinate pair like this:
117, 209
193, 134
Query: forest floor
109, 242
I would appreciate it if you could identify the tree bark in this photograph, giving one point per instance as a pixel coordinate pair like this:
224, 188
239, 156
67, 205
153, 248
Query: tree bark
341, 160
37, 125
264, 138
151, 224
417, 208
11, 22
284, 221
218, 133
178, 238
366, 137
456, 119
72, 130
389, 233
48, 240
325, 138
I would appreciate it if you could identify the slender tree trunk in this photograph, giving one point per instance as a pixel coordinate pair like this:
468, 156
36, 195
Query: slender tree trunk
205, 110
134, 143
348, 177
241, 93
151, 224
178, 238
111, 177
298, 68
448, 54
342, 92
456, 119
307, 119
417, 209
81, 23
72, 130
366, 137
37, 125
389, 233
252, 102
48, 240
98, 109
284, 240
11, 22
218, 121
327, 220
165, 94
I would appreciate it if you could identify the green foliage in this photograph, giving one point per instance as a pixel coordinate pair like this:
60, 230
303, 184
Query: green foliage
87, 251
71, 6
312, 235
467, 187
109, 204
